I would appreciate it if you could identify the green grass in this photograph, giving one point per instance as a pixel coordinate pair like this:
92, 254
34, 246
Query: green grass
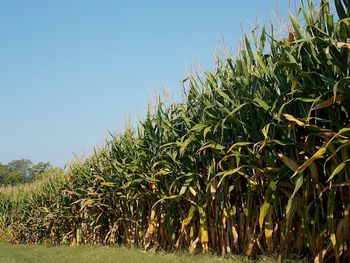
41, 253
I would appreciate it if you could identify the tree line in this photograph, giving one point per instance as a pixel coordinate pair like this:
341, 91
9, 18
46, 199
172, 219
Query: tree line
23, 171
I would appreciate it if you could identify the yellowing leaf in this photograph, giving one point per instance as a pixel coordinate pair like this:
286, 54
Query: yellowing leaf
329, 102
238, 144
306, 164
265, 130
291, 118
343, 45
194, 192
107, 184
263, 212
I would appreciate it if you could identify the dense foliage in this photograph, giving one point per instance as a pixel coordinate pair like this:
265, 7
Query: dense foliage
22, 171
255, 159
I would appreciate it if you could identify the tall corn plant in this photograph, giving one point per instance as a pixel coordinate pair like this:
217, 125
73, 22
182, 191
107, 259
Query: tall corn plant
255, 160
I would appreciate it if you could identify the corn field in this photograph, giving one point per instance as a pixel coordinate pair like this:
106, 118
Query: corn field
255, 160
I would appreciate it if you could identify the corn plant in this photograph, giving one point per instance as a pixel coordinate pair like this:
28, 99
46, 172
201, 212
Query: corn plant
255, 160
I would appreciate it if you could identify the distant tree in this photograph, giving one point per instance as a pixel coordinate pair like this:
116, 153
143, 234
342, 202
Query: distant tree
18, 171
23, 171
2, 173
23, 166
14, 177
39, 169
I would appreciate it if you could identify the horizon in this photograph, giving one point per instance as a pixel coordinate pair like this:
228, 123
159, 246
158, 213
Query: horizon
73, 72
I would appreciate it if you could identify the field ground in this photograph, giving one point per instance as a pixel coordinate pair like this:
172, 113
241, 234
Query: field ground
96, 254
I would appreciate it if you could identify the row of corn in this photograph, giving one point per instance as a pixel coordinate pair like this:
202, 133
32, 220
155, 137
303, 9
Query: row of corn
255, 160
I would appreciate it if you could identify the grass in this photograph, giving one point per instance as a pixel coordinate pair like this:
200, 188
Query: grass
41, 253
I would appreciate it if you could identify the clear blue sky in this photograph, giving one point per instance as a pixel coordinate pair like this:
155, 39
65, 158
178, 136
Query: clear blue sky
70, 71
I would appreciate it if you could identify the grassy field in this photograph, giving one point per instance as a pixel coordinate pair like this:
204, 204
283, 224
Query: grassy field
40, 253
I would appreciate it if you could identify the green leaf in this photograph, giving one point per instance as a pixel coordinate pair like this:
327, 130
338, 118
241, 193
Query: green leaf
200, 126
291, 164
238, 144
262, 39
212, 145
224, 174
330, 221
337, 170
291, 205
290, 65
249, 49
337, 58
340, 9
262, 64
183, 145
330, 23
183, 190
262, 104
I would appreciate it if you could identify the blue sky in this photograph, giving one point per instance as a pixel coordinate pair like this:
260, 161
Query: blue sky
70, 71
